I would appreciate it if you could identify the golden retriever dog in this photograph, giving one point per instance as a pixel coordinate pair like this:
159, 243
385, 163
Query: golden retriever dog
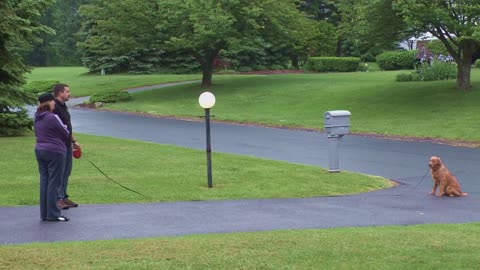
443, 179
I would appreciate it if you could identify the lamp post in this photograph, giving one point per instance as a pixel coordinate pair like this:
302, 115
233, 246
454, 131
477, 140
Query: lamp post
207, 100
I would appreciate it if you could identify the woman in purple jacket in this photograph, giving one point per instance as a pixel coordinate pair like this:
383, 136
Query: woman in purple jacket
50, 150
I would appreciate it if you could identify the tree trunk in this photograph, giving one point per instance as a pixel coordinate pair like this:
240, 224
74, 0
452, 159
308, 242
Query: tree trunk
463, 74
339, 49
206, 60
294, 59
207, 74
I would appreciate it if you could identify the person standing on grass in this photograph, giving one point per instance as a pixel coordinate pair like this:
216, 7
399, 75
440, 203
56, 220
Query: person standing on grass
62, 95
50, 150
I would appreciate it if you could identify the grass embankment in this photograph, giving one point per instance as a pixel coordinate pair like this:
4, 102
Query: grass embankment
169, 173
378, 104
84, 84
398, 247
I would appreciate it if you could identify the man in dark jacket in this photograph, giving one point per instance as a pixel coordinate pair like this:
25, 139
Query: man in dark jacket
62, 95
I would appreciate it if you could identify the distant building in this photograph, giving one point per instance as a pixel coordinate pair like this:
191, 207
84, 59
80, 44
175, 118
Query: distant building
412, 43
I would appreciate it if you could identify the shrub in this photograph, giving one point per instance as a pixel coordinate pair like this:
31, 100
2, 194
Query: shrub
14, 123
363, 67
37, 87
477, 63
406, 77
110, 96
334, 64
437, 70
396, 60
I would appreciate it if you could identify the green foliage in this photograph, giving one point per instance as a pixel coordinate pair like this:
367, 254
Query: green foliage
15, 123
142, 35
454, 23
396, 60
370, 27
58, 49
333, 64
255, 54
477, 63
120, 36
437, 47
19, 29
435, 71
37, 87
110, 96
407, 77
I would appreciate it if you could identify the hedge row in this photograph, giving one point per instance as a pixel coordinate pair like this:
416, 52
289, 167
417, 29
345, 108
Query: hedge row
40, 87
333, 64
396, 60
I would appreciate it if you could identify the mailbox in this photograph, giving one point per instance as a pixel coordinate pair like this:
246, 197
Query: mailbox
337, 122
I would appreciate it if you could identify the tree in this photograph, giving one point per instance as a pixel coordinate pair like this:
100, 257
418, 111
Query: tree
205, 27
19, 27
59, 49
120, 36
453, 22
373, 25
327, 12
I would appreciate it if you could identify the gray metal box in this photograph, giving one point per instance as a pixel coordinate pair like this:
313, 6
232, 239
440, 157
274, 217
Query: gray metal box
337, 122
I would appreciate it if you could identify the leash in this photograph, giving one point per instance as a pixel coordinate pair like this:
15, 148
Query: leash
108, 177
421, 179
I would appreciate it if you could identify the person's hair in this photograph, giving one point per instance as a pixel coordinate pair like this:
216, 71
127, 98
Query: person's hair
44, 107
59, 88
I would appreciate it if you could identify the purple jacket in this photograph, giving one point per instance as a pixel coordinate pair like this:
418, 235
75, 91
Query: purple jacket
50, 132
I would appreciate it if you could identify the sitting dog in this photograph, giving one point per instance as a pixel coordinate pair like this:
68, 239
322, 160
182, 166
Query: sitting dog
442, 178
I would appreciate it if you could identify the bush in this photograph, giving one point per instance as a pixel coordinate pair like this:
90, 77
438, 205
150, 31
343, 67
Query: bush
332, 64
396, 60
37, 87
15, 123
477, 63
437, 70
110, 96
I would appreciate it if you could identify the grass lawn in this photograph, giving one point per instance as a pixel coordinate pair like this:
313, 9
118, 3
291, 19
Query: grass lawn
396, 247
169, 173
378, 104
84, 84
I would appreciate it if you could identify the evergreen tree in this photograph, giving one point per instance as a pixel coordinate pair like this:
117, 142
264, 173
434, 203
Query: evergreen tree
19, 28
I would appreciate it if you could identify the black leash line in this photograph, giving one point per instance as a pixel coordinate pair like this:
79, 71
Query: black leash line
421, 179
116, 181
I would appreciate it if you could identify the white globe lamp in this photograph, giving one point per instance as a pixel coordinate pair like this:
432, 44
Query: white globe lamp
206, 100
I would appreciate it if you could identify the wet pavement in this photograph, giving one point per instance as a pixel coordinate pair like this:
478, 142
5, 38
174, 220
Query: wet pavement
404, 162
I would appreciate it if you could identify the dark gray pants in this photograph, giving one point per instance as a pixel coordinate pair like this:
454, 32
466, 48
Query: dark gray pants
62, 188
51, 167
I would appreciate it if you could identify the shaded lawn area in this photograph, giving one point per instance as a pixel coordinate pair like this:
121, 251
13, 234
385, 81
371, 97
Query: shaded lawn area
393, 247
169, 173
378, 104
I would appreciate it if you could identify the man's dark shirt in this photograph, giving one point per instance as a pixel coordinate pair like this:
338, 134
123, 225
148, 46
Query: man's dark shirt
61, 110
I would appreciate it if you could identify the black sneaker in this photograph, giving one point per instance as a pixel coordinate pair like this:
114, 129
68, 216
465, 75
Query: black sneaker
58, 219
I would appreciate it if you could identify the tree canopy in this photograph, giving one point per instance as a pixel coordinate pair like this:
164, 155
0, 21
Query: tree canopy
117, 33
19, 28
454, 22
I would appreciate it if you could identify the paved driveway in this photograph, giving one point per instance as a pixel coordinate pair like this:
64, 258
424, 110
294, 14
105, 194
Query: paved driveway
405, 162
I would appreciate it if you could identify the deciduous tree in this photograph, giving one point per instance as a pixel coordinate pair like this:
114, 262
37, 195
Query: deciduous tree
454, 22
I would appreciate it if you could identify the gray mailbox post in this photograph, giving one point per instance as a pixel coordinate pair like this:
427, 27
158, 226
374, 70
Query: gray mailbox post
337, 124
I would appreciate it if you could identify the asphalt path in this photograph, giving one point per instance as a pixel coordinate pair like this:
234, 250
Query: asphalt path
402, 161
